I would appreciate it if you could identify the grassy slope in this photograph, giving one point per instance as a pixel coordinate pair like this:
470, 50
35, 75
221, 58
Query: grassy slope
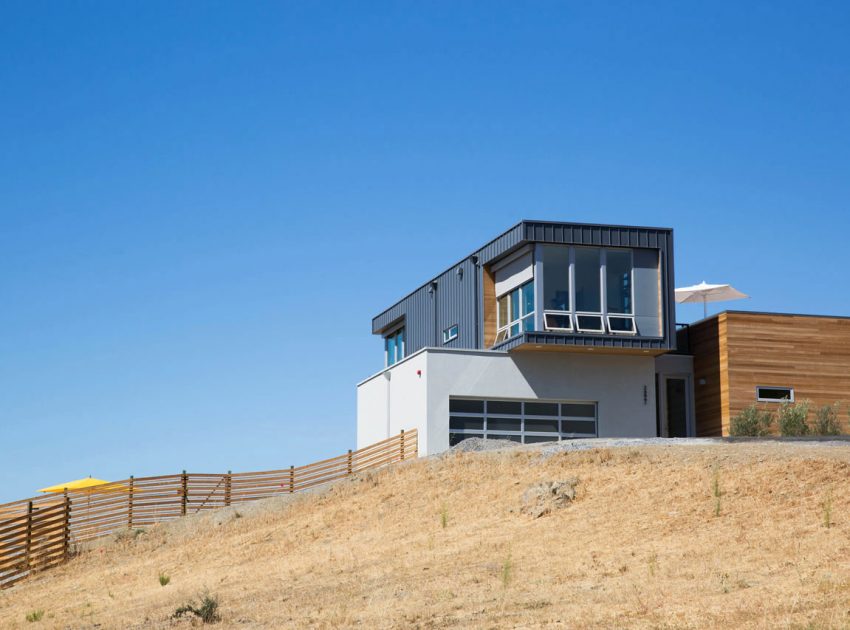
640, 547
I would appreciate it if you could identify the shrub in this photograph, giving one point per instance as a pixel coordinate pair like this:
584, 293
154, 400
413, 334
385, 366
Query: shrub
444, 516
164, 579
793, 418
35, 615
206, 610
826, 421
752, 422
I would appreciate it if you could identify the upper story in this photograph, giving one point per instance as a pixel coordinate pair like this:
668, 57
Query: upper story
545, 286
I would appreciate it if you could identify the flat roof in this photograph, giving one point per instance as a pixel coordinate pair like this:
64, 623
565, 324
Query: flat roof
767, 313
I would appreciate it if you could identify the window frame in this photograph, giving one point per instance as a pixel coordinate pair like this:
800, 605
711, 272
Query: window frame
394, 334
628, 318
774, 400
503, 332
596, 331
448, 336
566, 314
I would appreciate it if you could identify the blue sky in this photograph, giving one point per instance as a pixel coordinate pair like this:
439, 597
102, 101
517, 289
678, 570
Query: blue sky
203, 204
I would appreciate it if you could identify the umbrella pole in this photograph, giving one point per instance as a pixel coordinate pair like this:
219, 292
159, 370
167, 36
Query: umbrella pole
704, 307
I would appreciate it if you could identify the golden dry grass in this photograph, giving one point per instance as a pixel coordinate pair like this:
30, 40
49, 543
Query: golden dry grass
640, 547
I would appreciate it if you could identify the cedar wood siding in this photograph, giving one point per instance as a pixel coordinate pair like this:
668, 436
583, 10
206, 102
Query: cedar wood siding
737, 351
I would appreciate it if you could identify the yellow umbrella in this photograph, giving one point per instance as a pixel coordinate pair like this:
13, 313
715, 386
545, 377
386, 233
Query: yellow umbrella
77, 484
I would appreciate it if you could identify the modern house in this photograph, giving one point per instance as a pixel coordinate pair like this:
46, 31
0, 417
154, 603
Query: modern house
745, 358
550, 331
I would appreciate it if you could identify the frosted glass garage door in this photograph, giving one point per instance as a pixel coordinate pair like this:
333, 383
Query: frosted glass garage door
525, 421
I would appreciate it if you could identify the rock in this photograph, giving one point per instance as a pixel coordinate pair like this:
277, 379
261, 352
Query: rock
543, 498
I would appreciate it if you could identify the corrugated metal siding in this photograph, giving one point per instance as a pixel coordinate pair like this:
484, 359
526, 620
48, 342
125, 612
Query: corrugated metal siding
456, 299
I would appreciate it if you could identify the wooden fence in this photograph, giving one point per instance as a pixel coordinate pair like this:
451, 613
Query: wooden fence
41, 532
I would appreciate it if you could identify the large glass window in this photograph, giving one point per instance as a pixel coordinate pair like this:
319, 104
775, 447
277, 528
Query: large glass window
394, 346
556, 278
521, 421
588, 279
618, 280
516, 311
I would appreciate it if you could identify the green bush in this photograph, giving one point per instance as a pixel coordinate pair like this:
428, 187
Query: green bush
826, 421
35, 615
793, 418
752, 422
206, 610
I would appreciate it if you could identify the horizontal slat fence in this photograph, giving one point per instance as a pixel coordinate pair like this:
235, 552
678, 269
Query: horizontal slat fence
41, 532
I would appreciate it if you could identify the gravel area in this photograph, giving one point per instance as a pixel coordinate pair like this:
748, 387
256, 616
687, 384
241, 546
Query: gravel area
550, 448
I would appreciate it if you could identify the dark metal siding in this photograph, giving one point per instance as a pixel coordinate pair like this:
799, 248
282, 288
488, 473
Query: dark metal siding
456, 299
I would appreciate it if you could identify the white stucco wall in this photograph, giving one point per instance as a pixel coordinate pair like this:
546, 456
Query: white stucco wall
616, 382
402, 396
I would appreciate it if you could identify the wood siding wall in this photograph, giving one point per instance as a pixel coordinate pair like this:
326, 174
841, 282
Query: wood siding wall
735, 352
488, 288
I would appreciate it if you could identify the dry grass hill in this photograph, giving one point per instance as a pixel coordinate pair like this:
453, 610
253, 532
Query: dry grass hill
685, 536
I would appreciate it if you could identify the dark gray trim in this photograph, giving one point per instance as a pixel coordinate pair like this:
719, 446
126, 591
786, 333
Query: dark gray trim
587, 340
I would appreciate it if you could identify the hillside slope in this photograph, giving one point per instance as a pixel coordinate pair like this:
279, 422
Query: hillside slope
642, 545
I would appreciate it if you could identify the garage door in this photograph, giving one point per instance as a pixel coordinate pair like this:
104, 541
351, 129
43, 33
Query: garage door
525, 421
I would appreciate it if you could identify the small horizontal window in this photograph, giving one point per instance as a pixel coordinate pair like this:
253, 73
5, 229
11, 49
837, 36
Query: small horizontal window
590, 323
465, 423
541, 426
621, 325
450, 333
578, 426
562, 322
774, 394
504, 407
503, 424
541, 409
459, 405
577, 410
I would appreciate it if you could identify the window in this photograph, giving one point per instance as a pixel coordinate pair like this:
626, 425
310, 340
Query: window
394, 346
774, 394
450, 333
590, 323
620, 325
515, 311
562, 322
522, 421
588, 266
588, 290
618, 281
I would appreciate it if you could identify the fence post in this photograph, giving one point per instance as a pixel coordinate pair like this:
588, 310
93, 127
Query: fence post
29, 532
185, 492
402, 445
227, 481
349, 461
291, 479
67, 541
130, 505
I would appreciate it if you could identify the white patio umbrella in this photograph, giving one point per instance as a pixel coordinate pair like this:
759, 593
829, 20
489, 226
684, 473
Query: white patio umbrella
706, 293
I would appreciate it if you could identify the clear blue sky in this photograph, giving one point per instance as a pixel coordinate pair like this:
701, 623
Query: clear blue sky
203, 204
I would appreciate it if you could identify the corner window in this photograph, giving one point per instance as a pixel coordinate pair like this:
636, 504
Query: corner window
774, 394
394, 346
450, 333
515, 312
